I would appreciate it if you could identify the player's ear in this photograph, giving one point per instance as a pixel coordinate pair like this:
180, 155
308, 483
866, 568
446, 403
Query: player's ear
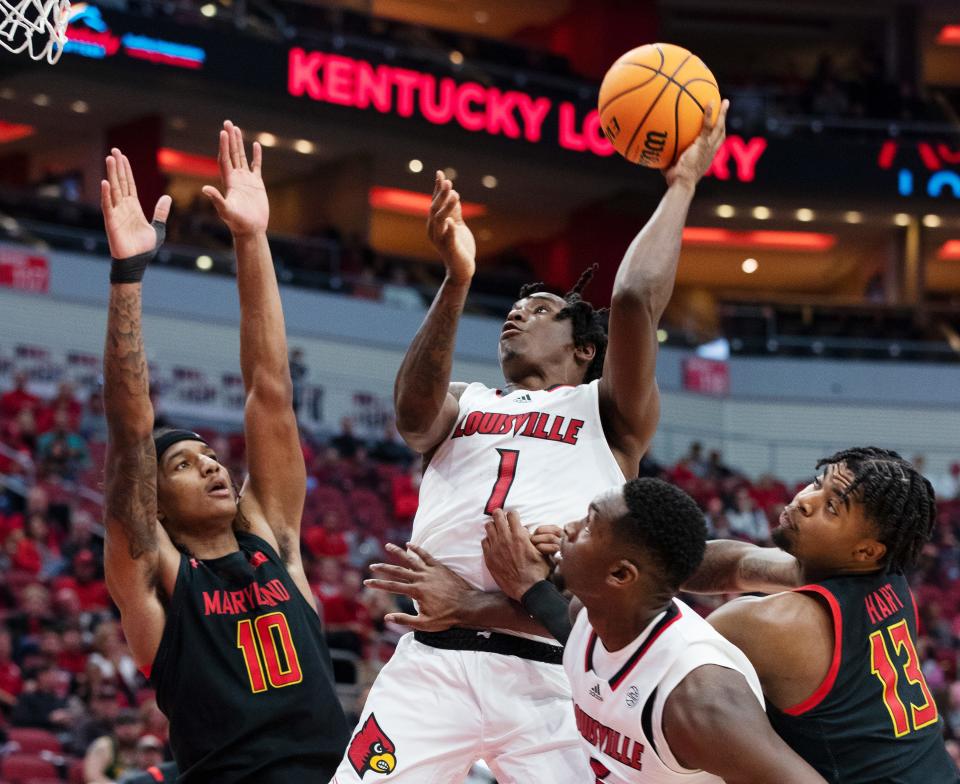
623, 573
584, 354
869, 551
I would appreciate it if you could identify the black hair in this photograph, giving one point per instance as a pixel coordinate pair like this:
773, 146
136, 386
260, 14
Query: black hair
896, 498
666, 523
589, 323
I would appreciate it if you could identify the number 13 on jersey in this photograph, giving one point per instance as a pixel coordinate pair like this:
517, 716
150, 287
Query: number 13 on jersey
882, 664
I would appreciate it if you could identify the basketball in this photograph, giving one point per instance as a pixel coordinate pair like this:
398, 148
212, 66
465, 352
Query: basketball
652, 102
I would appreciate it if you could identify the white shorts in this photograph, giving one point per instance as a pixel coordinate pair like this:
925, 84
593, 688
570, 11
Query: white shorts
433, 713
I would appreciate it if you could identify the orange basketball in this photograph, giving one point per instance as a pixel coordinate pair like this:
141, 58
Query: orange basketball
652, 103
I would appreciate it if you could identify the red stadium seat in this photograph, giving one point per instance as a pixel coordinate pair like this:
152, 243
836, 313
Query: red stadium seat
33, 741
21, 768
43, 780
75, 772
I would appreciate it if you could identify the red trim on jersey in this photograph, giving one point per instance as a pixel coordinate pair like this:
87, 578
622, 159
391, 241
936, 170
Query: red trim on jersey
673, 615
916, 611
146, 669
154, 771
824, 688
555, 387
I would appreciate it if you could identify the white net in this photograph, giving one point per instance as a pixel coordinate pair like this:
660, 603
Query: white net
38, 27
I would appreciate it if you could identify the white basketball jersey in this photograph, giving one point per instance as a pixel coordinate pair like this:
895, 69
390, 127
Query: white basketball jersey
541, 453
618, 698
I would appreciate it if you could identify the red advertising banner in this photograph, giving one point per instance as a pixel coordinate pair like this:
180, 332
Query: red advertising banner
706, 376
23, 270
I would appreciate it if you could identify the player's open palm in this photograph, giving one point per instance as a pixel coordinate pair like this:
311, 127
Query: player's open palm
696, 159
244, 207
128, 231
449, 233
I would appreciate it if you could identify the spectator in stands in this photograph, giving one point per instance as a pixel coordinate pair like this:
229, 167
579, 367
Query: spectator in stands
150, 754
298, 375
111, 662
111, 755
34, 614
41, 703
64, 401
346, 621
325, 578
390, 449
748, 521
93, 423
104, 709
73, 652
405, 492
718, 525
91, 589
82, 537
37, 552
328, 539
61, 451
696, 463
18, 399
398, 292
947, 485
17, 440
346, 443
11, 682
716, 469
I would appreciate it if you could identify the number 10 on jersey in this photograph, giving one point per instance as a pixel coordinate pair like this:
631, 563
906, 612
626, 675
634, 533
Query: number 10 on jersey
262, 640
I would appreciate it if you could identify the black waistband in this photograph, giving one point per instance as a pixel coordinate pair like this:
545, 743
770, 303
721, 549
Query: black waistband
492, 642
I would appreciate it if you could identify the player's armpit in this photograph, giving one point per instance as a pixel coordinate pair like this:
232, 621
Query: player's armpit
712, 721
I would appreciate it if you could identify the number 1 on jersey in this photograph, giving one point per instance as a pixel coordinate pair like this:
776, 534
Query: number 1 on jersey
505, 475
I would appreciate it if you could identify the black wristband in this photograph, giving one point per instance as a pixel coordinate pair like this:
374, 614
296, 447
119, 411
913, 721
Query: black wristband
131, 270
546, 605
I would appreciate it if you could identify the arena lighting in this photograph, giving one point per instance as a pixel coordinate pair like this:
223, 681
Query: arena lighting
209, 10
750, 266
10, 132
774, 240
7, 93
267, 139
415, 165
726, 211
413, 203
304, 146
949, 35
178, 162
931, 221
489, 181
450, 173
662, 336
41, 100
80, 107
761, 213
950, 250
852, 216
805, 215
204, 262
901, 219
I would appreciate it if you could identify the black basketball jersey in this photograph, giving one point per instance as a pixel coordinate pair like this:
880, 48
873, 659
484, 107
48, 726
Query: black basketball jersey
873, 718
244, 675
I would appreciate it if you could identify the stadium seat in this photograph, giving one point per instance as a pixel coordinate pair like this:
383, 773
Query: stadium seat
33, 741
21, 768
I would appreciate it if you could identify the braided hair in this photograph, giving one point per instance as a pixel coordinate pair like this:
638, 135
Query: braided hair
589, 323
896, 497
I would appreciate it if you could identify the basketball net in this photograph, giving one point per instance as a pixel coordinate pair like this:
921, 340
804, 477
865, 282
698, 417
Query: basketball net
39, 26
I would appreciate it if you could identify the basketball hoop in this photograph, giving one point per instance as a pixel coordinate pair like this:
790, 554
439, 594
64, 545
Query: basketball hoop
39, 26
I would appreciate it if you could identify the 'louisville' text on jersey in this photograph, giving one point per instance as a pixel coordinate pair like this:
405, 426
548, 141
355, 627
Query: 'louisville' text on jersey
532, 424
246, 599
609, 741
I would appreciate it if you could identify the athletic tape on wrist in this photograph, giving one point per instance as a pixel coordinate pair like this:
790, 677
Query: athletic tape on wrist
131, 270
546, 605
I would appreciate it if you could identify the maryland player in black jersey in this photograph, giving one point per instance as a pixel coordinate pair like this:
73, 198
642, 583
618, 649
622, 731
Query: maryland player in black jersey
214, 600
836, 655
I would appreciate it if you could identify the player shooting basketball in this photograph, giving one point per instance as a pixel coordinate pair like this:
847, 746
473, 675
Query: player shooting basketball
212, 593
579, 408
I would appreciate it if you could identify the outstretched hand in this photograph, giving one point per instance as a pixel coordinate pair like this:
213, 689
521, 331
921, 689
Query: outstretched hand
245, 207
696, 159
439, 592
448, 232
128, 231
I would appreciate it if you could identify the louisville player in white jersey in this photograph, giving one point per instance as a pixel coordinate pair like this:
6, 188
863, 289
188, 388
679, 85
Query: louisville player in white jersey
659, 697
578, 410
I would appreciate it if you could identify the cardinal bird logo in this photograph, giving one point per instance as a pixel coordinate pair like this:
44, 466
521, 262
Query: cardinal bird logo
371, 749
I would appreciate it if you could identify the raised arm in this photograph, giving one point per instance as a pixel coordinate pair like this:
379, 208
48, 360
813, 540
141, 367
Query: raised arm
425, 400
272, 500
138, 554
713, 722
629, 397
730, 566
